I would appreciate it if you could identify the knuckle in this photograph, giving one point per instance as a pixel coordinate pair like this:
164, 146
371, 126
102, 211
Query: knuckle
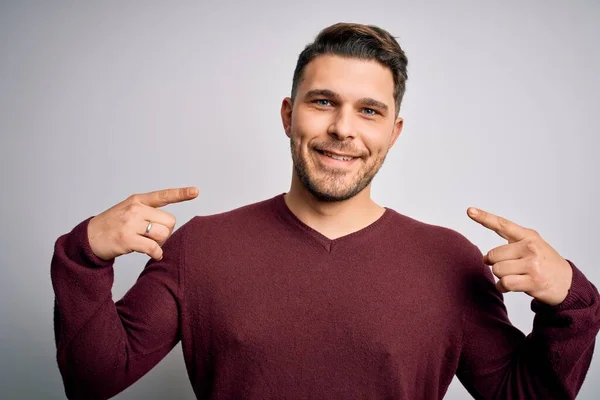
132, 210
486, 219
163, 195
491, 256
134, 198
503, 222
532, 246
533, 232
534, 267
507, 283
496, 269
162, 236
153, 247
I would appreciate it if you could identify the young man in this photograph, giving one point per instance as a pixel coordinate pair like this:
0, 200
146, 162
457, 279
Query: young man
321, 292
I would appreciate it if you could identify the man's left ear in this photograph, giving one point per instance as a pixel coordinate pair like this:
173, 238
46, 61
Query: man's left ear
396, 132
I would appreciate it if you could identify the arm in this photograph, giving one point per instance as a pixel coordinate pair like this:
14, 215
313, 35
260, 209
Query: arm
499, 362
103, 347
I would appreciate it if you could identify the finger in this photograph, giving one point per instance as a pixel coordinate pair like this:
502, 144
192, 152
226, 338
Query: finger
503, 227
157, 232
515, 283
161, 198
511, 251
147, 246
512, 267
155, 215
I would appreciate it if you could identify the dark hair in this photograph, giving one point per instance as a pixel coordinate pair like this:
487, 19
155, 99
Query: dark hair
366, 42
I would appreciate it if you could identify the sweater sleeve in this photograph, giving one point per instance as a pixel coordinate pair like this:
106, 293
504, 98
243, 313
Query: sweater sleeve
102, 346
499, 362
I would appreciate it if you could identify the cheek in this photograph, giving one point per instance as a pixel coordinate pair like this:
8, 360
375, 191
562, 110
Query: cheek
310, 123
376, 141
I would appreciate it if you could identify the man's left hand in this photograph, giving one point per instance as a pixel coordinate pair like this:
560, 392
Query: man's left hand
527, 263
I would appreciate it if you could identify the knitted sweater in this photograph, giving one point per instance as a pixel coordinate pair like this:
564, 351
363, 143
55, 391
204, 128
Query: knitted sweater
266, 307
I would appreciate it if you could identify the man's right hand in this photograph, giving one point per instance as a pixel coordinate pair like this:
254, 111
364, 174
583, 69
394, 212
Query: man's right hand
122, 228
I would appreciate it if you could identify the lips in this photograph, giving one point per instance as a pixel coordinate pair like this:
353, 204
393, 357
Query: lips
337, 156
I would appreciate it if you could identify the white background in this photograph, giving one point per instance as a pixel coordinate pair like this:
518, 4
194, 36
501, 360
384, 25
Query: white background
99, 100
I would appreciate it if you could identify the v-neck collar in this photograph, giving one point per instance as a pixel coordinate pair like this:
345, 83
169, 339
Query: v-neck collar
328, 244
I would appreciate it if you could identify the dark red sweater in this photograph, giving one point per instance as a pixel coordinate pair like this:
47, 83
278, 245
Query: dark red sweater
266, 307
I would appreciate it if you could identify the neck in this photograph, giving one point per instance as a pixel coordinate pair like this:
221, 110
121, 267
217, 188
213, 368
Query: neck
332, 219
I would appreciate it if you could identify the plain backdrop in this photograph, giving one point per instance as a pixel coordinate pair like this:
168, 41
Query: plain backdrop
99, 100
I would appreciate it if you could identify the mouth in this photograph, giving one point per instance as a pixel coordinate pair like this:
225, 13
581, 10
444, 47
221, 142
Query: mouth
336, 156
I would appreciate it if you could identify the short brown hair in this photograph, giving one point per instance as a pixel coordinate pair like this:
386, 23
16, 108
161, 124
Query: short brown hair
366, 42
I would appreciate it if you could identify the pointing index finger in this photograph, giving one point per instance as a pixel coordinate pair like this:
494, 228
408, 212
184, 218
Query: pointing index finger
503, 227
161, 198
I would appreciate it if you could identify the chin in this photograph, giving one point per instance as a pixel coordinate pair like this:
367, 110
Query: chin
332, 193
332, 186
330, 197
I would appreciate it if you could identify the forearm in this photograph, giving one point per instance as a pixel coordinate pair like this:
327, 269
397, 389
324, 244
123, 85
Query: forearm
103, 346
82, 284
565, 335
499, 362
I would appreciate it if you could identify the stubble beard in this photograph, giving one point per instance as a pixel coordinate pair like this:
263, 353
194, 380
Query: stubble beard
332, 187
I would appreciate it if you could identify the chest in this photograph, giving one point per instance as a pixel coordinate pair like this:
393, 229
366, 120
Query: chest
316, 309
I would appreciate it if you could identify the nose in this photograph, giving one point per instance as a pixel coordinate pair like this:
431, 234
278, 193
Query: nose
342, 127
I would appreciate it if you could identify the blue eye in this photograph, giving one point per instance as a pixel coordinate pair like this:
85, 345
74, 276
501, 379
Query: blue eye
323, 102
370, 111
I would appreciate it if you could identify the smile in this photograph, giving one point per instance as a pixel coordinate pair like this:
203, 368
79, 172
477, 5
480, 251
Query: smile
337, 157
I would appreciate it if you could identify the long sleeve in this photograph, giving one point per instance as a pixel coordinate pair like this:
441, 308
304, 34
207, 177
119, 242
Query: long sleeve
499, 362
102, 346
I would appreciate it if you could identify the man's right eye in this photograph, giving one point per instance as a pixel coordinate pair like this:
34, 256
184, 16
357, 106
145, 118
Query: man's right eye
323, 102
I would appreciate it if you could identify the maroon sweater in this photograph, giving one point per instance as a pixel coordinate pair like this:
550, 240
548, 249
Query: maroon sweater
266, 307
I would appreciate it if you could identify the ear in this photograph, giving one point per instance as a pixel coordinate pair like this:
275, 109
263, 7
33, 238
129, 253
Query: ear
396, 131
286, 115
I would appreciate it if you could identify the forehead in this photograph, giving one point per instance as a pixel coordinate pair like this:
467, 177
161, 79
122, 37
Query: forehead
349, 77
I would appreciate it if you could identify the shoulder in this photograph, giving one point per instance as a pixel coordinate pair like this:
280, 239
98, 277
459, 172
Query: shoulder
250, 217
446, 254
253, 211
434, 239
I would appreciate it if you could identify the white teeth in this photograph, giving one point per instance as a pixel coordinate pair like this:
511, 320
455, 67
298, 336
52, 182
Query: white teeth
336, 157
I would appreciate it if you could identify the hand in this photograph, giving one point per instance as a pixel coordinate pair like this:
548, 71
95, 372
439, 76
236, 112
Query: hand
122, 228
527, 263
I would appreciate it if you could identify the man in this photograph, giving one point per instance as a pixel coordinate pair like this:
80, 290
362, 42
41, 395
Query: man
320, 292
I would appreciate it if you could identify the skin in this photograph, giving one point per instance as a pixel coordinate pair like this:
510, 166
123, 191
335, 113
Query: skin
527, 263
122, 228
344, 106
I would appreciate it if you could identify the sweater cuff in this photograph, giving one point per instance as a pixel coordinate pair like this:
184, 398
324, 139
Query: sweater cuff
582, 294
78, 248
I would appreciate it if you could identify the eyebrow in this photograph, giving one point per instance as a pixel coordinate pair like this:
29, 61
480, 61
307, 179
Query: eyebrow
365, 101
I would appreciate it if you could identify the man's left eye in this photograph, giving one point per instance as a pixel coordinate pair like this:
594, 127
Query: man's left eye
369, 111
323, 102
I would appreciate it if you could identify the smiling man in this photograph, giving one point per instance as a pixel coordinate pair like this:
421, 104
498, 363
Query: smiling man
320, 292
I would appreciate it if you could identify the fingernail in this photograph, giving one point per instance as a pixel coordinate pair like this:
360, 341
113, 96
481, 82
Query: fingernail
473, 211
192, 191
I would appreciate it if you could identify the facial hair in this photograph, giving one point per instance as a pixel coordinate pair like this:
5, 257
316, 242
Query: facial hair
331, 188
